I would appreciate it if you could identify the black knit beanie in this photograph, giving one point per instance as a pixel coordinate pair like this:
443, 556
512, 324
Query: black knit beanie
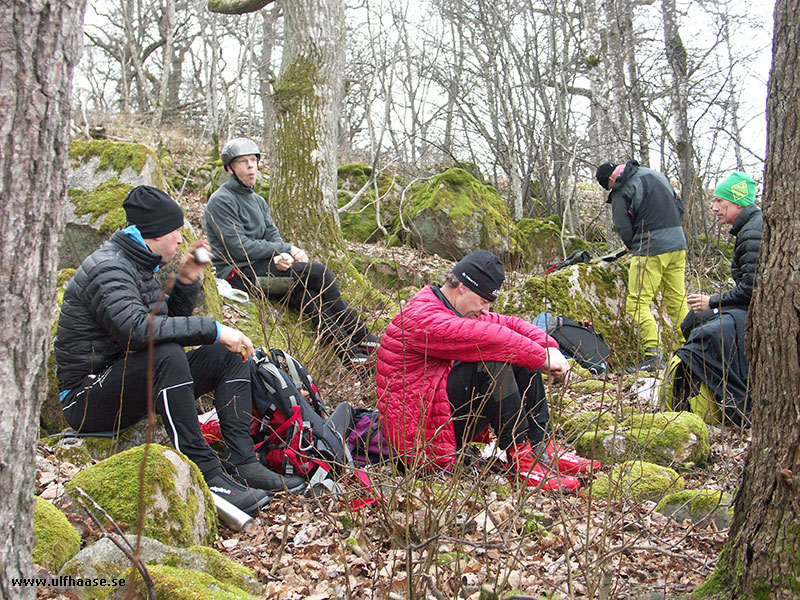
604, 171
152, 211
482, 272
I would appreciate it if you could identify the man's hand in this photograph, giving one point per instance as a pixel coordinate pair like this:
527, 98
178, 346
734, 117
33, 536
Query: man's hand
237, 342
283, 261
189, 270
556, 365
298, 255
698, 302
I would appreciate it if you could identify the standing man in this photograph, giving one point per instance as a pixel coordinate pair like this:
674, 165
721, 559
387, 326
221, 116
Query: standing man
647, 215
114, 308
249, 251
448, 368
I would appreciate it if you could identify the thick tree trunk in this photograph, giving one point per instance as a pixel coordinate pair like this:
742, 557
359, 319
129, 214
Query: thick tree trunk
762, 556
39, 47
307, 106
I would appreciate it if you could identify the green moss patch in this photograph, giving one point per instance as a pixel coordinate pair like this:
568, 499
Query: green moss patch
698, 505
669, 437
638, 480
113, 155
105, 199
186, 584
56, 539
114, 485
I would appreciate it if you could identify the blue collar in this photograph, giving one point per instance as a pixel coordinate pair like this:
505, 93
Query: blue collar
132, 231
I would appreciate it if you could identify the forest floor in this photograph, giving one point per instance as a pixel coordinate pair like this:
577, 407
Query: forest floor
469, 534
451, 536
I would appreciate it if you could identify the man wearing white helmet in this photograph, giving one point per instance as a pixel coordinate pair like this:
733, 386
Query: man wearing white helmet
249, 251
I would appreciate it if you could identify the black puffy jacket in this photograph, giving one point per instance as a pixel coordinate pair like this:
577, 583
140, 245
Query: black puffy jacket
106, 307
747, 229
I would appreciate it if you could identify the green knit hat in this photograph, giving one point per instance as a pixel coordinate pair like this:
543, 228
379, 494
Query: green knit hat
738, 188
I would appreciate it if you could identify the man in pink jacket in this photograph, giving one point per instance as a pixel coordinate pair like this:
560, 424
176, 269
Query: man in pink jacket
448, 368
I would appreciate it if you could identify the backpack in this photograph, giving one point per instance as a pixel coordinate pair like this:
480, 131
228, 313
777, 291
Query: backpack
580, 342
291, 428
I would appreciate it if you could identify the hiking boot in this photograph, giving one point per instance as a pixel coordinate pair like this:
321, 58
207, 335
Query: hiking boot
369, 344
533, 472
567, 462
653, 362
258, 476
249, 500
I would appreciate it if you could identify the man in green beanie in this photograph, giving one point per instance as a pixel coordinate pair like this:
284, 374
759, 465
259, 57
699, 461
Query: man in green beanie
714, 352
734, 204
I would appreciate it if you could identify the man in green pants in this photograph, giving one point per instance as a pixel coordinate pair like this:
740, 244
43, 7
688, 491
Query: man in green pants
647, 215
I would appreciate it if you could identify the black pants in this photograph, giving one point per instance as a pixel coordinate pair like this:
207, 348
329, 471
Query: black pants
314, 293
117, 398
508, 398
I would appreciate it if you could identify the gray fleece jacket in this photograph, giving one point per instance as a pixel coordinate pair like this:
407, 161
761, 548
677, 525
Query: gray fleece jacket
240, 228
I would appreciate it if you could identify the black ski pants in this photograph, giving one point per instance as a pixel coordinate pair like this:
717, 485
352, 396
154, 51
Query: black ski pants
117, 398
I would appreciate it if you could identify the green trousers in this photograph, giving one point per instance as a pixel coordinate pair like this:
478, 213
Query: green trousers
647, 276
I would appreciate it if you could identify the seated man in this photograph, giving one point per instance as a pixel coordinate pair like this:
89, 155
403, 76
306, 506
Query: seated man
448, 368
249, 251
114, 307
714, 352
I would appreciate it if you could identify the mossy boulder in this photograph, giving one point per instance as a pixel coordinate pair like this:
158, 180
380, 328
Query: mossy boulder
595, 291
178, 507
638, 480
105, 559
101, 174
667, 438
453, 214
699, 506
57, 541
538, 243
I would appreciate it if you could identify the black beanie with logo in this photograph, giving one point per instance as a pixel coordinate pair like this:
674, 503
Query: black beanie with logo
482, 272
152, 211
603, 172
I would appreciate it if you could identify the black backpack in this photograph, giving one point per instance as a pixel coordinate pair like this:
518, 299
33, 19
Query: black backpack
577, 341
292, 429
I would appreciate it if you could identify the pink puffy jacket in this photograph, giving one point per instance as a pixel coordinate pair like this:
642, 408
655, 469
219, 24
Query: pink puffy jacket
416, 356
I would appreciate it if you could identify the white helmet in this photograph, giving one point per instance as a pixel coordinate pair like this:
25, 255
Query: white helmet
238, 147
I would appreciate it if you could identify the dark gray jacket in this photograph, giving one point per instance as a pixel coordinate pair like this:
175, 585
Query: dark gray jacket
747, 229
106, 308
647, 212
240, 228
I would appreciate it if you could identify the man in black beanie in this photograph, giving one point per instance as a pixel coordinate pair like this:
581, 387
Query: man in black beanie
114, 307
448, 369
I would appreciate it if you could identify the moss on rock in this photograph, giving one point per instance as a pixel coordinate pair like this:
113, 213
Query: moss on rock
56, 539
170, 517
173, 583
663, 438
638, 480
594, 291
699, 505
113, 155
106, 199
592, 420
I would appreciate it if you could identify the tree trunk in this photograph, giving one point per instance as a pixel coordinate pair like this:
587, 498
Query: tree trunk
303, 192
761, 558
40, 45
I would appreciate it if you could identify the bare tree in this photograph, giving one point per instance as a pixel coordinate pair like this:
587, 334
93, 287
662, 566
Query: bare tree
40, 44
760, 558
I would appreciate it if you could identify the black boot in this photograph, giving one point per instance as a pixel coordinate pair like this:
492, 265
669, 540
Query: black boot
258, 476
653, 362
250, 500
